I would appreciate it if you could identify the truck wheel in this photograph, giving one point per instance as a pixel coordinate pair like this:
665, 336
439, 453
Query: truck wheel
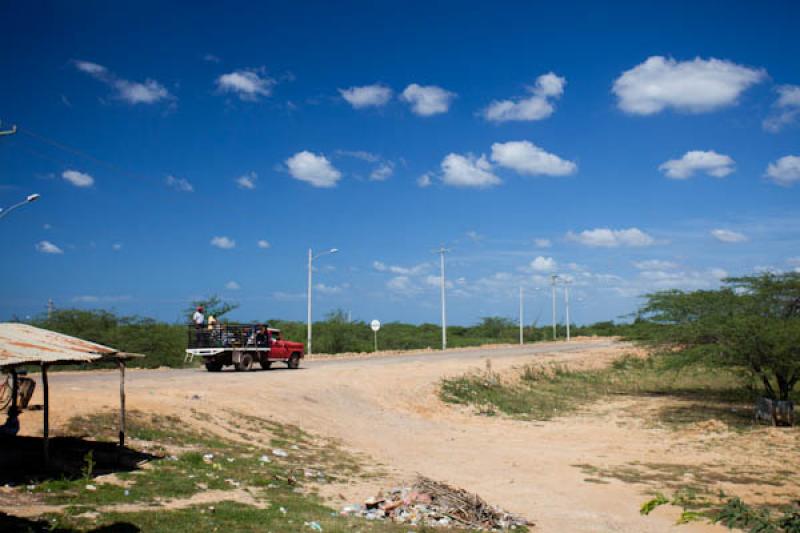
294, 361
265, 363
213, 366
245, 363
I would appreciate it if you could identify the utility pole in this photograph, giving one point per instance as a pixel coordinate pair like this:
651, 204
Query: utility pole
521, 319
308, 317
566, 304
553, 279
50, 308
441, 251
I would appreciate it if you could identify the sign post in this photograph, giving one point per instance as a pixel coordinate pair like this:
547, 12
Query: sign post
375, 325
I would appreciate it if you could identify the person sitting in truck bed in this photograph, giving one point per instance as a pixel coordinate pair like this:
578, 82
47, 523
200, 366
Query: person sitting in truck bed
262, 336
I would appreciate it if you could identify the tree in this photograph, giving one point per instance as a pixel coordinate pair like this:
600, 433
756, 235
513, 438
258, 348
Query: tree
493, 327
753, 323
213, 305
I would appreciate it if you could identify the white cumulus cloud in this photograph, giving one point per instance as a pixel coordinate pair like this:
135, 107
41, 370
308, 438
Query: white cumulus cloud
537, 106
728, 236
694, 86
232, 286
225, 243
247, 84
179, 184
47, 247
425, 180
785, 171
609, 238
542, 243
78, 179
382, 172
263, 244
710, 162
543, 264
526, 158
468, 171
314, 169
427, 100
367, 96
132, 92
655, 264
247, 181
786, 109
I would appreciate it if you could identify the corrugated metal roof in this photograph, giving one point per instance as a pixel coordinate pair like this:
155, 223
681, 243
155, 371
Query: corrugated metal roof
23, 344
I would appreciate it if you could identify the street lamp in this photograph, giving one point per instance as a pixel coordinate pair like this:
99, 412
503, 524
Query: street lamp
31, 198
311, 258
441, 251
553, 279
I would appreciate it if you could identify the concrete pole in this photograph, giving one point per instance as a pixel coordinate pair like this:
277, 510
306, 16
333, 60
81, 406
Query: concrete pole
566, 306
521, 319
308, 318
444, 302
553, 290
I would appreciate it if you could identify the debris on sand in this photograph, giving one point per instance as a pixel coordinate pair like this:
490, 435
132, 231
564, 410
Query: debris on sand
432, 504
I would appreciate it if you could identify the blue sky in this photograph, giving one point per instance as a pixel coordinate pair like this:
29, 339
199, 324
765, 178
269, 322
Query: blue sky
184, 150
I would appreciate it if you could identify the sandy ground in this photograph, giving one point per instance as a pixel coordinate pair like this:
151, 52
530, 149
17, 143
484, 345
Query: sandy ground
387, 408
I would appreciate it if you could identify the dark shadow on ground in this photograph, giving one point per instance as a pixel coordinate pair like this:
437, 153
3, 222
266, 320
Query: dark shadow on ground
22, 459
15, 524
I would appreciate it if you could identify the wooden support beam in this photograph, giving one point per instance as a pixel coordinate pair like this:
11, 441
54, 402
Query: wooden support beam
14, 391
46, 430
121, 365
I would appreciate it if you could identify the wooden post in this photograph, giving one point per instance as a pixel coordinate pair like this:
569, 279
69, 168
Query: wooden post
121, 365
46, 431
14, 391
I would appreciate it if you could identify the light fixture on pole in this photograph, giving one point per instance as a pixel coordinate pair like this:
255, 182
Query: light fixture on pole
311, 258
441, 251
30, 198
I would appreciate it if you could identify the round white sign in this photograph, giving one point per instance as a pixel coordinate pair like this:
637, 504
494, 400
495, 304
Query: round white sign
375, 325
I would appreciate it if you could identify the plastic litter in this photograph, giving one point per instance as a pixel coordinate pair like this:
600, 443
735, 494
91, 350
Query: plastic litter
433, 504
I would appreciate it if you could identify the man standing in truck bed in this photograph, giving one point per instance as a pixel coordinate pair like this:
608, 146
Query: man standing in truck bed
198, 318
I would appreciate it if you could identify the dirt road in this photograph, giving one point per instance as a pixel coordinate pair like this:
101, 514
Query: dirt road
387, 408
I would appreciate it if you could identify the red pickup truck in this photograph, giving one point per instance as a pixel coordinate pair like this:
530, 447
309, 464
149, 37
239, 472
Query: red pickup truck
241, 346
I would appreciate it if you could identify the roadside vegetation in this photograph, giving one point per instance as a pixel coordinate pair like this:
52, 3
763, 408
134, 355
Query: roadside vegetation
730, 512
714, 355
261, 476
164, 343
727, 347
536, 392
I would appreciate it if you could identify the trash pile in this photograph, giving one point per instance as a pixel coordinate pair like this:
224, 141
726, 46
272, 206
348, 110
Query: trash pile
432, 504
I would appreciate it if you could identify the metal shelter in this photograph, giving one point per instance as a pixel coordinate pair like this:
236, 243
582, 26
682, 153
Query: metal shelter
25, 345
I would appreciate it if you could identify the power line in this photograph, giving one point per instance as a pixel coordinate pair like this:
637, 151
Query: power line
75, 151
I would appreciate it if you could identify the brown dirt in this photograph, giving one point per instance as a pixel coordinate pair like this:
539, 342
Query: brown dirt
391, 413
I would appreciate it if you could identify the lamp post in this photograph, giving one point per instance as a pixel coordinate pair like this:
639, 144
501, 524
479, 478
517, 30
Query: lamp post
311, 258
29, 199
553, 279
521, 320
441, 251
566, 304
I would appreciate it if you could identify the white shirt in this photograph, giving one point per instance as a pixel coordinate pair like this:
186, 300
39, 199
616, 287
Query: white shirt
198, 318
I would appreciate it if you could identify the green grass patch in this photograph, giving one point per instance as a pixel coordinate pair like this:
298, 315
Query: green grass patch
282, 491
538, 392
